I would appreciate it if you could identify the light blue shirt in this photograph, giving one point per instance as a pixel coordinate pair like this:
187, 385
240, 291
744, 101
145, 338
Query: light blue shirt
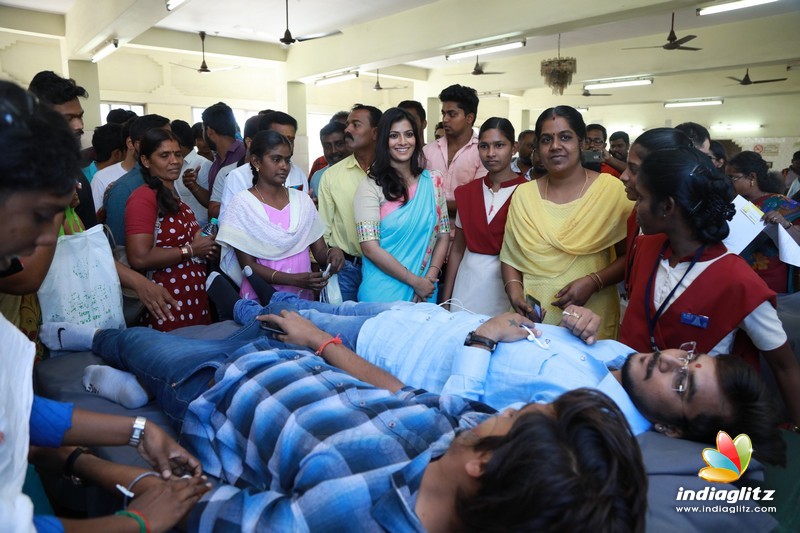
423, 346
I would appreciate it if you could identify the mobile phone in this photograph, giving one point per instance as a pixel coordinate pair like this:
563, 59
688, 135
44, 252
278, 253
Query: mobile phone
590, 156
272, 328
536, 314
327, 272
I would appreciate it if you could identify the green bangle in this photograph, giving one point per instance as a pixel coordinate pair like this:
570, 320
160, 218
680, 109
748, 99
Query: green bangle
136, 516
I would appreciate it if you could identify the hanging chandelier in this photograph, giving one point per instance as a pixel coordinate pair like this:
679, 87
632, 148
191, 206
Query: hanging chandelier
558, 71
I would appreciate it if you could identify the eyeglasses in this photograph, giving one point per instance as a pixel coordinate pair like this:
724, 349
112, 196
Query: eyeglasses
595, 142
735, 177
682, 375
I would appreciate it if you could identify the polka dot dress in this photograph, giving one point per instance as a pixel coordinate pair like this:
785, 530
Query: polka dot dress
185, 281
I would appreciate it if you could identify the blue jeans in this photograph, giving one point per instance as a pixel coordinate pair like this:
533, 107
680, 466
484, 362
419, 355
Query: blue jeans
176, 370
349, 280
344, 319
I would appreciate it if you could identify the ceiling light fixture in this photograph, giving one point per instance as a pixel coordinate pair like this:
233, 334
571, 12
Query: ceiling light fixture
336, 78
105, 50
731, 6
581, 109
173, 4
558, 71
613, 84
695, 103
485, 48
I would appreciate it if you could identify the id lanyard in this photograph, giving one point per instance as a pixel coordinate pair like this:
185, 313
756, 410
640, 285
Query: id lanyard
653, 320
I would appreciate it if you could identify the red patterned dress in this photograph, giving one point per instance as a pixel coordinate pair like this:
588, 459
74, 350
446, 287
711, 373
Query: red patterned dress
185, 281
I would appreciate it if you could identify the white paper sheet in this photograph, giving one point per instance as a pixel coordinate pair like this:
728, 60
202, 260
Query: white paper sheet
745, 225
788, 249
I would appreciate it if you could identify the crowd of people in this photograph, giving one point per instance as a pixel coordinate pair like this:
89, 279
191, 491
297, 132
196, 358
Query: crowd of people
388, 261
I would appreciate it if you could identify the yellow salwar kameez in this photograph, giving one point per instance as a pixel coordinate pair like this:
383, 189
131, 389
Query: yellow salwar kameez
554, 244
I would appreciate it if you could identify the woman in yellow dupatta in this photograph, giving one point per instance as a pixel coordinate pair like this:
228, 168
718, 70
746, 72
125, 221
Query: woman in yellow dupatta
565, 235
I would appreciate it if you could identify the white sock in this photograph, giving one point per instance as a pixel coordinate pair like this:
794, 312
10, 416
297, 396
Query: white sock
115, 385
67, 336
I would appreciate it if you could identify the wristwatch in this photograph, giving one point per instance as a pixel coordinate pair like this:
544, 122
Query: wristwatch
473, 338
138, 431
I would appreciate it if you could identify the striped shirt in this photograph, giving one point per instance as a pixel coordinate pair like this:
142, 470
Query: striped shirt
304, 446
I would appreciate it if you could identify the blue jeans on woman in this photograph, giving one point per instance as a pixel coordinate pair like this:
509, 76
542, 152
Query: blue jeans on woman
176, 370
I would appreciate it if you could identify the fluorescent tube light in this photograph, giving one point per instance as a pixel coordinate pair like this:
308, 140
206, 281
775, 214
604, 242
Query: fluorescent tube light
173, 4
482, 50
613, 84
105, 50
730, 6
336, 78
694, 103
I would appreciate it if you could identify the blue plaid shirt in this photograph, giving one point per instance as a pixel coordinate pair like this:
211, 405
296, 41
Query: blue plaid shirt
303, 446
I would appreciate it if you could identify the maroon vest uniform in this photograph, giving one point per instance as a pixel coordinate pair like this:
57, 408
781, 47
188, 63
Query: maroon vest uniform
482, 237
726, 292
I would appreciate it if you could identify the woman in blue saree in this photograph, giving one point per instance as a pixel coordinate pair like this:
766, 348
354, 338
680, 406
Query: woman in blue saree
401, 217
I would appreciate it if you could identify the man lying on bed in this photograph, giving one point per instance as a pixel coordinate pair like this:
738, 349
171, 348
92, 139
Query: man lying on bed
328, 442
424, 346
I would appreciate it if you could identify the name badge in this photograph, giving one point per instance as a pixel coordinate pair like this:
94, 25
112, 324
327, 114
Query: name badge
698, 321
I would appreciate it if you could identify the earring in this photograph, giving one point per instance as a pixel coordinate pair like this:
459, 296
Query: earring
258, 169
660, 428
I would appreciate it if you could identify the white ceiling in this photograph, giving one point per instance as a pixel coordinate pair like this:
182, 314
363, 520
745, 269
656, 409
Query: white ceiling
408, 40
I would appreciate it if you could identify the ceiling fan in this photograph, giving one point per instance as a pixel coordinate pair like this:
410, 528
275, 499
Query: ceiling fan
586, 92
203, 66
287, 38
378, 87
673, 43
477, 70
747, 81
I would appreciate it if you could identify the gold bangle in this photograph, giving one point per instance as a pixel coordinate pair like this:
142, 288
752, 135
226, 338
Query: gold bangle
598, 281
184, 253
505, 285
272, 278
191, 251
436, 267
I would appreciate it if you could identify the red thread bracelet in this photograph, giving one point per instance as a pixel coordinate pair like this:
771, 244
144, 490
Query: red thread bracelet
144, 520
333, 340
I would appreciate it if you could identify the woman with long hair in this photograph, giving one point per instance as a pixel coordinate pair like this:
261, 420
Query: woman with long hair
401, 217
162, 234
270, 227
649, 141
564, 242
686, 286
473, 277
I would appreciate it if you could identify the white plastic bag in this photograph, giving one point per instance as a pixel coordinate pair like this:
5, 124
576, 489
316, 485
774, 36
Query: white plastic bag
82, 285
330, 293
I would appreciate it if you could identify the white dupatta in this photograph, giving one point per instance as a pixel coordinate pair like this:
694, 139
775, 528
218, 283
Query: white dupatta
244, 226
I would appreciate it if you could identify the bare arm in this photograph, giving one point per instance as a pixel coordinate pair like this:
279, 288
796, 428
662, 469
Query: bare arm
305, 280
302, 332
453, 262
142, 255
156, 447
515, 289
213, 209
578, 291
156, 298
161, 503
391, 266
